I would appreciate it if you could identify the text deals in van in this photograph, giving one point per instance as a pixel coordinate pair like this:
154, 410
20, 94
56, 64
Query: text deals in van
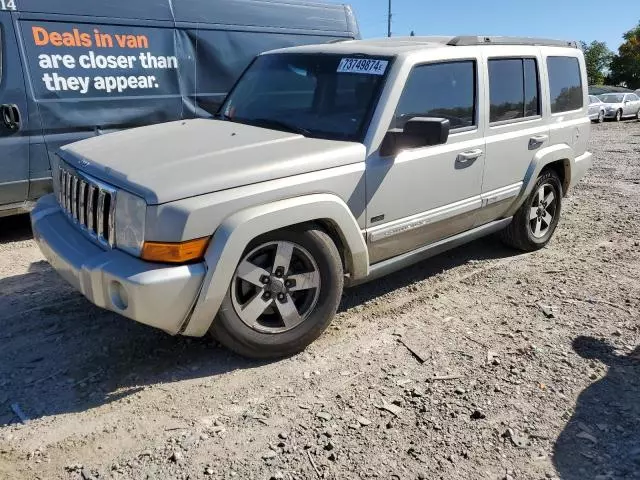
91, 60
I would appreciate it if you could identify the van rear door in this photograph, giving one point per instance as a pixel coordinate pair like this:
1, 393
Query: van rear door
15, 128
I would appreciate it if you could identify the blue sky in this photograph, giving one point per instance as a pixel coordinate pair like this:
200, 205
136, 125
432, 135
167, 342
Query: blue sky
562, 19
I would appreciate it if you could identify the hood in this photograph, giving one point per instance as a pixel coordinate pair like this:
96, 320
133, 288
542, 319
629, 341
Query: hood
171, 161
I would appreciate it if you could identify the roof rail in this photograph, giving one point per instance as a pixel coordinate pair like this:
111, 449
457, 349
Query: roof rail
463, 41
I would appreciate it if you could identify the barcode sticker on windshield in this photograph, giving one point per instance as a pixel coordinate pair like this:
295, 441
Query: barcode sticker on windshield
363, 65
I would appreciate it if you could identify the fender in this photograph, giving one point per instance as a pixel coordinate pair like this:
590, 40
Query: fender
544, 157
238, 230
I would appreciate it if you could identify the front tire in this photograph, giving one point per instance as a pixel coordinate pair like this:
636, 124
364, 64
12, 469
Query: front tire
283, 295
536, 220
601, 116
618, 116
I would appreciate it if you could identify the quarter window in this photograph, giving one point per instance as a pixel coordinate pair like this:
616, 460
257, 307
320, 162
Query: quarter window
513, 89
442, 90
565, 84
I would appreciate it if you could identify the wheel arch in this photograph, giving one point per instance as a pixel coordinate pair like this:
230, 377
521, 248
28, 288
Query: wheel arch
559, 158
231, 238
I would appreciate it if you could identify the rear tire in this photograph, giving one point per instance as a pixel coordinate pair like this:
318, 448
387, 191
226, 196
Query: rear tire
283, 296
536, 220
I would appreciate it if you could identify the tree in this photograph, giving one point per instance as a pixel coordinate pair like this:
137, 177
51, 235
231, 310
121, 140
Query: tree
625, 66
598, 57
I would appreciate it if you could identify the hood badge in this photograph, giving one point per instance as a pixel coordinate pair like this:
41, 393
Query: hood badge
84, 163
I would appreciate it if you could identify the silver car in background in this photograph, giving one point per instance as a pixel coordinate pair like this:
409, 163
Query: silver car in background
596, 109
621, 105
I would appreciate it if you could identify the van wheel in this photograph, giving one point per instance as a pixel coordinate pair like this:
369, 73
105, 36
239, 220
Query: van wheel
536, 220
618, 115
283, 295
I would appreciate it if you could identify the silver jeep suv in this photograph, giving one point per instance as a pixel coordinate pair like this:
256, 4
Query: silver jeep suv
327, 166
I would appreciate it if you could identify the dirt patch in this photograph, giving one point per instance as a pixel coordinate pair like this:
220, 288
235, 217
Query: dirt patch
518, 366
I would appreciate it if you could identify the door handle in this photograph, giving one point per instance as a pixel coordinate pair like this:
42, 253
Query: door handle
469, 156
537, 140
10, 116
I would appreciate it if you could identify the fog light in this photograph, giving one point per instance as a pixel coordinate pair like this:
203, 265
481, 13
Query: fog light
119, 297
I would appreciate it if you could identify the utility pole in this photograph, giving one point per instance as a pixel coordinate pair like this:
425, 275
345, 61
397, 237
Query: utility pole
389, 21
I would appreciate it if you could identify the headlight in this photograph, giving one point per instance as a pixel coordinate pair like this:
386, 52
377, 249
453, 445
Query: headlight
130, 217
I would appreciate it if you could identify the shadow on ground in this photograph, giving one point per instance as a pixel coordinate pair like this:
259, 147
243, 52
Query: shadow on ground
602, 439
60, 354
15, 229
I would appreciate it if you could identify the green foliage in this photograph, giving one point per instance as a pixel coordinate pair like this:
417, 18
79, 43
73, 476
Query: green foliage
625, 66
598, 57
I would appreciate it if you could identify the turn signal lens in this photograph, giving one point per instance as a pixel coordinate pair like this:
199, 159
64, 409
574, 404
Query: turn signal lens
175, 252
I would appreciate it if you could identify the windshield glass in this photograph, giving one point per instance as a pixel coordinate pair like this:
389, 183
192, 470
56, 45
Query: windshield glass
317, 95
612, 98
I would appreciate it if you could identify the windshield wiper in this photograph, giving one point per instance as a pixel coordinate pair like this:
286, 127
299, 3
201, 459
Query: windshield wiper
277, 124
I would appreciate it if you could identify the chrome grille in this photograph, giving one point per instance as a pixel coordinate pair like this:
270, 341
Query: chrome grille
89, 203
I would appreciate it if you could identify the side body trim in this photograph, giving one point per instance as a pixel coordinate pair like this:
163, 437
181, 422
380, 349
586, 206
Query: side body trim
423, 219
397, 263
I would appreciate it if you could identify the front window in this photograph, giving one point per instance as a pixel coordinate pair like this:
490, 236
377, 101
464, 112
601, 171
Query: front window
442, 90
317, 95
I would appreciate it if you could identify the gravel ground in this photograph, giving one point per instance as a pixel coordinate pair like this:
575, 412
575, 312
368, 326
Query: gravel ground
523, 367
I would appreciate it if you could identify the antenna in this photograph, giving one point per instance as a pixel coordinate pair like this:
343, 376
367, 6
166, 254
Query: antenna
389, 21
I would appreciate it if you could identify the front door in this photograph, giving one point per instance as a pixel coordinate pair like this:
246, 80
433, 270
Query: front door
426, 194
14, 120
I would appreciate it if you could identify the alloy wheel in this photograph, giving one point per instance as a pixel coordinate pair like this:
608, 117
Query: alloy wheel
275, 287
542, 211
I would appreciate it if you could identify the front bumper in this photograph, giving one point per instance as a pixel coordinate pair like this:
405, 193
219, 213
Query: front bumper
154, 294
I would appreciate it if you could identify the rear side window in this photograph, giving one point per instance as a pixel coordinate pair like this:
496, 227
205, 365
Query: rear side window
443, 90
513, 89
565, 84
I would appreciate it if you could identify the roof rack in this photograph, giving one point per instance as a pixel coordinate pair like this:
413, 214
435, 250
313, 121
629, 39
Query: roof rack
464, 41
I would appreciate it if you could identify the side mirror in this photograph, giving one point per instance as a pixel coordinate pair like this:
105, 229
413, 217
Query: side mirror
426, 131
418, 132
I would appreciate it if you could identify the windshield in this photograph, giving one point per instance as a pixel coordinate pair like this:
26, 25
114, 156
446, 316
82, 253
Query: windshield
317, 95
612, 98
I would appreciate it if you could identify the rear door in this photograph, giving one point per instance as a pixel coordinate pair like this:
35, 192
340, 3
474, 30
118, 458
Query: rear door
15, 128
516, 130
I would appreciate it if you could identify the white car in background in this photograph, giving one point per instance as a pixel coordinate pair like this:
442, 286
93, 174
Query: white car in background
596, 109
621, 105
